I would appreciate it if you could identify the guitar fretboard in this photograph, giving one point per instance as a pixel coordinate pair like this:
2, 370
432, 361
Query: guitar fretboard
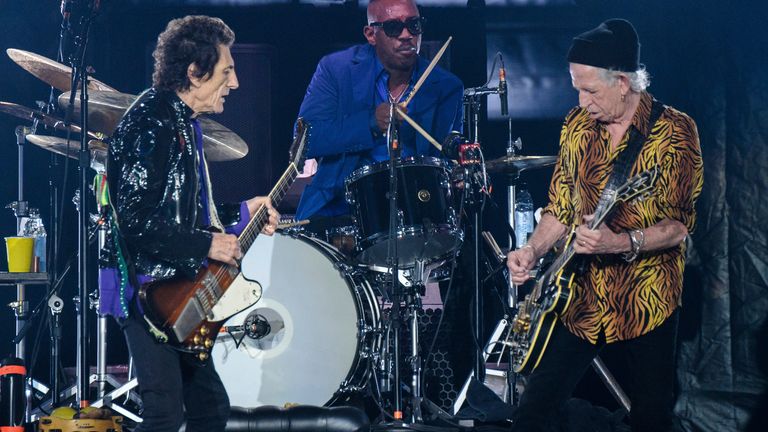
261, 218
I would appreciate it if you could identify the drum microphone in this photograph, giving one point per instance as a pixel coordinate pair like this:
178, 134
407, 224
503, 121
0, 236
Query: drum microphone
451, 145
503, 88
255, 326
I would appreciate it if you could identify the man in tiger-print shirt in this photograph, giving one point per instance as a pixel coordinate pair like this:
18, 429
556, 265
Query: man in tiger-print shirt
631, 287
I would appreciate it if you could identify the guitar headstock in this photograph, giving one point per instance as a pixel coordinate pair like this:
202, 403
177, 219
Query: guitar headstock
298, 150
640, 185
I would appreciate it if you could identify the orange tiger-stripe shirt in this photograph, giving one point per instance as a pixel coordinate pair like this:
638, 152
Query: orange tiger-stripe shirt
627, 299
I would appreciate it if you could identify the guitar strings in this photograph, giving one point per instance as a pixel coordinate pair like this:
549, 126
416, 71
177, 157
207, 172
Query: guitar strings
249, 234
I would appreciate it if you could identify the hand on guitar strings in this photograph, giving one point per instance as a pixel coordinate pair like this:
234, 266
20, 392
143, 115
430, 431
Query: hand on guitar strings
520, 262
225, 248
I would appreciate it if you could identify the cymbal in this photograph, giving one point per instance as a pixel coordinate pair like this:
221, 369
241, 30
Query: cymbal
49, 71
60, 146
107, 109
516, 164
25, 113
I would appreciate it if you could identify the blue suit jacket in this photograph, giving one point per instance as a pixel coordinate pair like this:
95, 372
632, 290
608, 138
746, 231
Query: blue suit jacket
339, 106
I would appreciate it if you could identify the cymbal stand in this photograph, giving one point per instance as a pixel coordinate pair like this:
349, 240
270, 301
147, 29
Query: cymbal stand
102, 378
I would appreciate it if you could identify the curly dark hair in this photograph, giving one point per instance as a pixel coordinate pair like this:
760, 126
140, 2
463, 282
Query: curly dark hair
192, 39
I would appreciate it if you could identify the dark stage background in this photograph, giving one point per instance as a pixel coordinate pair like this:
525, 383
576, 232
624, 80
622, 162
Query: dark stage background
706, 58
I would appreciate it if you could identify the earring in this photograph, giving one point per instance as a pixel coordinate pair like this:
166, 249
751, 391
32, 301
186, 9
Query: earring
623, 97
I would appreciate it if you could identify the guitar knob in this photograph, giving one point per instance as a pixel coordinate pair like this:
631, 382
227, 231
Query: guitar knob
197, 339
204, 330
203, 356
208, 343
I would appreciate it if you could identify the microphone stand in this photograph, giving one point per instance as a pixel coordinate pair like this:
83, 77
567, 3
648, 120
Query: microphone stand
80, 76
393, 148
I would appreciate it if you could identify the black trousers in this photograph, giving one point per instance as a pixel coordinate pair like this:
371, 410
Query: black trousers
174, 387
652, 376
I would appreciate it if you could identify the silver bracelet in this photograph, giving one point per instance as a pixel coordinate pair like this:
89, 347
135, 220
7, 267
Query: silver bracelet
637, 239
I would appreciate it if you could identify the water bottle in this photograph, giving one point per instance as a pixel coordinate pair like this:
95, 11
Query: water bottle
523, 216
32, 226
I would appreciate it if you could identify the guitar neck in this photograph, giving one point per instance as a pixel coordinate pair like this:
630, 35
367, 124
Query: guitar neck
261, 218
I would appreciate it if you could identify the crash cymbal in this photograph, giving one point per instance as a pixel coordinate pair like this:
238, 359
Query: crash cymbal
220, 143
60, 146
49, 71
515, 164
25, 113
107, 108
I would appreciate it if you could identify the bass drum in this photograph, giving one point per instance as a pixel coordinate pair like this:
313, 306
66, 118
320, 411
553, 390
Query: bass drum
321, 328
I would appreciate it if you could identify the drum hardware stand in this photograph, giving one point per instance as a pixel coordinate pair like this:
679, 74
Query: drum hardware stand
412, 299
20, 209
56, 305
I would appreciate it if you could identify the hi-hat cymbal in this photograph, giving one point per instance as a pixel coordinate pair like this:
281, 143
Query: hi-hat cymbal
25, 113
107, 109
61, 146
49, 71
516, 164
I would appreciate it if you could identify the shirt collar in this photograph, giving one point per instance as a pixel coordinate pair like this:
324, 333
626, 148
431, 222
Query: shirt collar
643, 114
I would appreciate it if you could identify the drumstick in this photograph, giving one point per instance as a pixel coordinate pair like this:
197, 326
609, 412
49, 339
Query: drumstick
426, 73
418, 128
292, 224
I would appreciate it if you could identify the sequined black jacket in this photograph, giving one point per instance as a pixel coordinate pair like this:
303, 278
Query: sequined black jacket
154, 188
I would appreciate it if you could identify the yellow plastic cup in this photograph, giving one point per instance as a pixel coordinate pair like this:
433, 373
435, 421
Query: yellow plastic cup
20, 252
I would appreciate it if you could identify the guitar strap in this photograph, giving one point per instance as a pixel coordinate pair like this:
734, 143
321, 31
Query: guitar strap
622, 166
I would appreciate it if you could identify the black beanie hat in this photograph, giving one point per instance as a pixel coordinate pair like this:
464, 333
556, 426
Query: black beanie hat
611, 45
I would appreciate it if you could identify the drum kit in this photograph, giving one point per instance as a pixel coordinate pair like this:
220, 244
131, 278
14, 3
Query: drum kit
324, 331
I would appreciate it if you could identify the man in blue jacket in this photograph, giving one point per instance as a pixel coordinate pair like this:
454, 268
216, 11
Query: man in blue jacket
348, 104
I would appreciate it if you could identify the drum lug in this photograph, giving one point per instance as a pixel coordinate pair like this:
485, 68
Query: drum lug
365, 329
346, 269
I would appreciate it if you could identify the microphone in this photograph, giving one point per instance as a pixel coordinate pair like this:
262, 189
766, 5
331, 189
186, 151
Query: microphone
451, 145
503, 88
255, 326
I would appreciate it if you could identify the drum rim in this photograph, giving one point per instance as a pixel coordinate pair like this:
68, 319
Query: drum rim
428, 161
412, 231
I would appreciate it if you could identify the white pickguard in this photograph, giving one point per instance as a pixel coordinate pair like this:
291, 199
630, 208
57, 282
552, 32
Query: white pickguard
240, 295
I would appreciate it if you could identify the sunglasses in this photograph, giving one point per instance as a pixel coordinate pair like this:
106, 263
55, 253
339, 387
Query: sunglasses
394, 28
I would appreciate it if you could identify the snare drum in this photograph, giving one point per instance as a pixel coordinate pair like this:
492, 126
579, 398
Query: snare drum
427, 225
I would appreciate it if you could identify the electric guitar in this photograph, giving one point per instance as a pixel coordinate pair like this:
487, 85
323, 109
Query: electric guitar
189, 313
552, 292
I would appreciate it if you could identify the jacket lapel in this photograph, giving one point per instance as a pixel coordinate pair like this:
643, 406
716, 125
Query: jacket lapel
363, 69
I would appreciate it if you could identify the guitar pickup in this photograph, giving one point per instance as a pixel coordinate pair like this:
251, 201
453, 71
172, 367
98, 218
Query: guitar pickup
192, 314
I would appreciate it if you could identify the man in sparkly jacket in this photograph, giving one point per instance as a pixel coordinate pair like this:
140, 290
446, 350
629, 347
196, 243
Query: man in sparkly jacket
161, 195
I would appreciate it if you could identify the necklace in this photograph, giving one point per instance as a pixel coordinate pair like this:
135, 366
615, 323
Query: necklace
393, 99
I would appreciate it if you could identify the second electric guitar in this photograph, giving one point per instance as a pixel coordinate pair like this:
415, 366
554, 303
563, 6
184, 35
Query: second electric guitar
190, 313
552, 293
